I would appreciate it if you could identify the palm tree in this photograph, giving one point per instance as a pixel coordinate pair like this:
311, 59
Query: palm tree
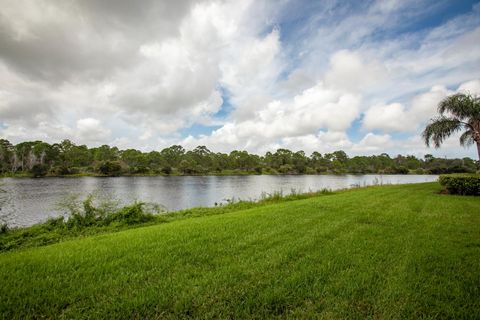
458, 112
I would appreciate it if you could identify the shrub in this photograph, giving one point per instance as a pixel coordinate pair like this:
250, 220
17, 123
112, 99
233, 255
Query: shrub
132, 214
139, 169
465, 184
84, 214
321, 169
39, 170
166, 170
401, 170
102, 211
60, 170
110, 168
285, 169
310, 171
74, 170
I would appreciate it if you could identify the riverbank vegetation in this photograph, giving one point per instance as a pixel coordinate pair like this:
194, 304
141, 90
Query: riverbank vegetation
393, 252
96, 215
37, 159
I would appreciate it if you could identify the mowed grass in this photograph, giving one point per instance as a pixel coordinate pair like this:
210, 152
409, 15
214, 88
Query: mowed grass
387, 252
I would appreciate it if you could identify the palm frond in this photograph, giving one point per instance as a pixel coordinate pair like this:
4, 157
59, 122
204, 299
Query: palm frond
439, 129
460, 105
466, 139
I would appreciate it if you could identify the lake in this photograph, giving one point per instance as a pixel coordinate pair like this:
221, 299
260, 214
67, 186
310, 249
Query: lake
24, 201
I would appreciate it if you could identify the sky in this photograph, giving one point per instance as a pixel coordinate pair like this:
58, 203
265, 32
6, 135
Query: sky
360, 76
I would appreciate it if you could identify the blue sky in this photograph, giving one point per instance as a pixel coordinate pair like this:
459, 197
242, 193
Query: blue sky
361, 76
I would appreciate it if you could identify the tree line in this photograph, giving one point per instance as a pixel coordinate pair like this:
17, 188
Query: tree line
38, 158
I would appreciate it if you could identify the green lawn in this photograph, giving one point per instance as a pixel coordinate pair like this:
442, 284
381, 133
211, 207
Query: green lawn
380, 252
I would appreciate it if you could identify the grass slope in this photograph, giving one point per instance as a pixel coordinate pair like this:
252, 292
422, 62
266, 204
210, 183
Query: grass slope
380, 252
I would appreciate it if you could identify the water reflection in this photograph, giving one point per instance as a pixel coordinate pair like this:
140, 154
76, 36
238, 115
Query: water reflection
29, 201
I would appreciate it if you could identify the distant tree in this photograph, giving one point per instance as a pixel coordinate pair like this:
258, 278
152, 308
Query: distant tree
458, 112
186, 167
70, 155
155, 160
6, 155
66, 158
39, 151
360, 164
133, 158
105, 153
340, 156
316, 156
401, 170
24, 155
428, 158
80, 156
300, 161
243, 160
469, 164
285, 168
201, 156
221, 162
173, 155
279, 158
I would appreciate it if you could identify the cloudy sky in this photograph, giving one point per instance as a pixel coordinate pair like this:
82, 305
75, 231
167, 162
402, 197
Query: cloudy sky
361, 76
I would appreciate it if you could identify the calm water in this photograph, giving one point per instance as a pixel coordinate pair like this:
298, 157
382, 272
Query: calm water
28, 201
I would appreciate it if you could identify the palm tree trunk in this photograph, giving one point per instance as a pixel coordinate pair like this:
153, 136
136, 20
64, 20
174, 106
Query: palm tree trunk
478, 150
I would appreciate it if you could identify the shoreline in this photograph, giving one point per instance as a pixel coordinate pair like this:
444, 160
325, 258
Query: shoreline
28, 176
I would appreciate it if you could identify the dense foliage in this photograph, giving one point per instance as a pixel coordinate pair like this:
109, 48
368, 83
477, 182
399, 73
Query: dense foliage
37, 158
461, 184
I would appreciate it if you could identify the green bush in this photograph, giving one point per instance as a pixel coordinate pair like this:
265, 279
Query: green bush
419, 171
401, 170
285, 169
166, 170
60, 170
39, 170
109, 168
132, 214
465, 184
93, 212
139, 169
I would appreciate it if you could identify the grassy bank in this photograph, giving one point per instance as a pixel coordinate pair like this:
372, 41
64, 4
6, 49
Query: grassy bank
380, 252
87, 219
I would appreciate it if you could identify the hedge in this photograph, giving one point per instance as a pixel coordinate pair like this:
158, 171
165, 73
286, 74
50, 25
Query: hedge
465, 184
